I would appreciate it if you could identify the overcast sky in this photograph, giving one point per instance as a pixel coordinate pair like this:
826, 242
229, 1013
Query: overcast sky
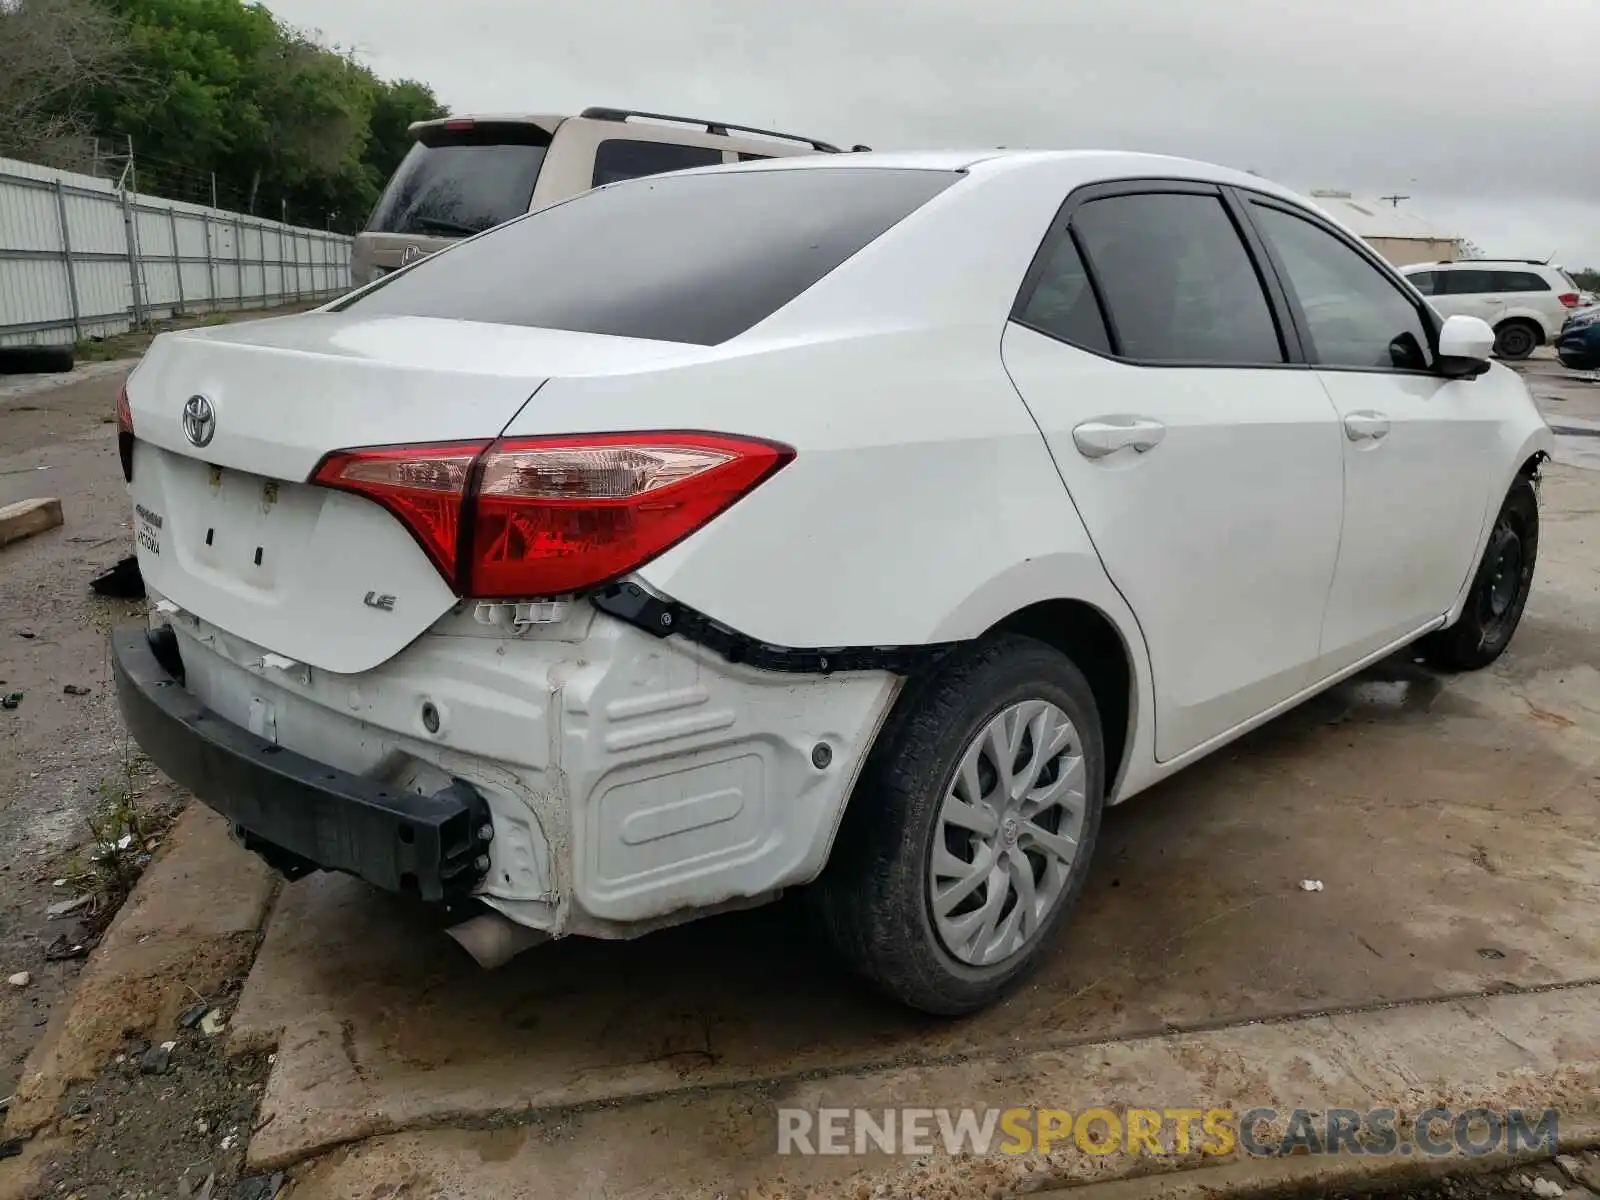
1485, 112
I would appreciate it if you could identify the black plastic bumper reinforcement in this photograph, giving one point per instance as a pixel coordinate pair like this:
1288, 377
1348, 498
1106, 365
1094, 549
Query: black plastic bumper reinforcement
631, 603
296, 813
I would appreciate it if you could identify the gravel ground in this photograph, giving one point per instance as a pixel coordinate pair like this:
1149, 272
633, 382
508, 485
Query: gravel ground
161, 1122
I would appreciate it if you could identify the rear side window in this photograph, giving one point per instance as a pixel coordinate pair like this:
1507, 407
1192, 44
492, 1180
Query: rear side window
1522, 281
1472, 282
1177, 280
616, 159
1063, 304
692, 258
745, 157
460, 182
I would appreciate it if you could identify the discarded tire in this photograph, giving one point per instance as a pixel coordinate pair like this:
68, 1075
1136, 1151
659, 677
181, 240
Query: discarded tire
35, 360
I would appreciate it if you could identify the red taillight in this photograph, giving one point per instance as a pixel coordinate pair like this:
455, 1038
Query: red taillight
547, 516
460, 123
424, 486
1570, 299
125, 433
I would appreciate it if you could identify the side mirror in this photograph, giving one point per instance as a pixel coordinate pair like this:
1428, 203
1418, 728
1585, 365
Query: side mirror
1465, 344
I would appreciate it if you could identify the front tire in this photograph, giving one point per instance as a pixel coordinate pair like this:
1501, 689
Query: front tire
969, 835
1499, 589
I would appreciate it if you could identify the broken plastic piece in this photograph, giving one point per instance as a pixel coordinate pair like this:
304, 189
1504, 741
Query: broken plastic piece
1311, 885
521, 616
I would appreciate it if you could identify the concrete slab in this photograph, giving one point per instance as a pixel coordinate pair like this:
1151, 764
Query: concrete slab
1518, 1050
1454, 825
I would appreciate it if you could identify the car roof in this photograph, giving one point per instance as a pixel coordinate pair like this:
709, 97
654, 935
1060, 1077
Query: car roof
1484, 264
1108, 164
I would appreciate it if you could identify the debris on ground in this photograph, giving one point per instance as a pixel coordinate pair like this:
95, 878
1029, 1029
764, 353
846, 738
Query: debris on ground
213, 1023
10, 700
1311, 885
190, 1017
65, 908
157, 1059
63, 949
121, 582
259, 1187
73, 689
20, 980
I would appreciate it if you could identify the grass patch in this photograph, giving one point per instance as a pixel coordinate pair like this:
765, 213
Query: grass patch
124, 834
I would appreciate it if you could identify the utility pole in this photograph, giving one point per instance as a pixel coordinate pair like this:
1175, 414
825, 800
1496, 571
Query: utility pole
1394, 200
130, 225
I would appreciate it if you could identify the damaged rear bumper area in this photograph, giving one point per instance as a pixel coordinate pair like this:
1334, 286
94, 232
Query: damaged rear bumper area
296, 813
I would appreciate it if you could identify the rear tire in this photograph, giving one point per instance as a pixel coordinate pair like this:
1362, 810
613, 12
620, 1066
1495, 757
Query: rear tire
952, 868
1499, 590
1516, 339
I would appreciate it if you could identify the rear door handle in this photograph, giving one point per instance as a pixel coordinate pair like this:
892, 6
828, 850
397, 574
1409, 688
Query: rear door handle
1096, 439
1366, 426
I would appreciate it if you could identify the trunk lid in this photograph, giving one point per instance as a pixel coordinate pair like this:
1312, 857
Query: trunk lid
229, 530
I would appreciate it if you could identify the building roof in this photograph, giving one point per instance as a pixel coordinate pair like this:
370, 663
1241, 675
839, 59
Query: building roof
1372, 218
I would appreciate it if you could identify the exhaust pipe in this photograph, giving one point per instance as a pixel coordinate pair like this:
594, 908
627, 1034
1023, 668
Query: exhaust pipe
494, 940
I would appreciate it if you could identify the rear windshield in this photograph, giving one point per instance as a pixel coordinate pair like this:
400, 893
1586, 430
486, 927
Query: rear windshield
690, 258
457, 182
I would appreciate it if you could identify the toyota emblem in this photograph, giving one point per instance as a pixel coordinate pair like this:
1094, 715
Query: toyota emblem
199, 421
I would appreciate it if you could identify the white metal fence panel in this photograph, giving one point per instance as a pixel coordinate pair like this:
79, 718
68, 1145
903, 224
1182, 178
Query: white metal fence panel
81, 258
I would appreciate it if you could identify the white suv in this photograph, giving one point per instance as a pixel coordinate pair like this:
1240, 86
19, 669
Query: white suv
1524, 301
858, 522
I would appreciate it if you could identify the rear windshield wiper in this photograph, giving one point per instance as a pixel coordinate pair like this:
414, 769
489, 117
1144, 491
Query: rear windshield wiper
440, 225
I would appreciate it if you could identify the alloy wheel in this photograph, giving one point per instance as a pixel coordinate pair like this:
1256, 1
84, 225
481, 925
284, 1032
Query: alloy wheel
1007, 833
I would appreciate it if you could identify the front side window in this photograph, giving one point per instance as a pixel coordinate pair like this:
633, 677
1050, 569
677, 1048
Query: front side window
1177, 281
616, 159
1355, 316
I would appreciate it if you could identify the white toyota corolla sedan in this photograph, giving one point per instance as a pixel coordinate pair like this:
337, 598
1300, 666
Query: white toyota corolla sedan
864, 523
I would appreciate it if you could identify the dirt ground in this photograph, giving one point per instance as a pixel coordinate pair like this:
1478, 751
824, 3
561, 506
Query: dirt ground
356, 1020
57, 751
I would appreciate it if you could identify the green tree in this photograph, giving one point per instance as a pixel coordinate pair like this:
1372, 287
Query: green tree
221, 95
397, 105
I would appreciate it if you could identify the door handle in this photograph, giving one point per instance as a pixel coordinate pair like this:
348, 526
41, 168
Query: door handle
1366, 426
1096, 439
